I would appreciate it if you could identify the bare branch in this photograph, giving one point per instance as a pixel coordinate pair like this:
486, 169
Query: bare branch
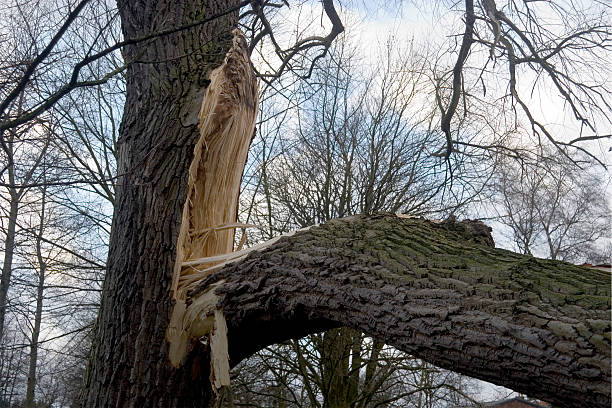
457, 71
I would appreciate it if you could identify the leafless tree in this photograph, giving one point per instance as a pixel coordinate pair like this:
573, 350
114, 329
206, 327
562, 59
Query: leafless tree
54, 289
36, 58
78, 132
349, 141
553, 209
535, 46
25, 149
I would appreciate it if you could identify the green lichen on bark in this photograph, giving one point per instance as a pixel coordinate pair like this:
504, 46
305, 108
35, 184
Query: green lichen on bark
436, 290
449, 254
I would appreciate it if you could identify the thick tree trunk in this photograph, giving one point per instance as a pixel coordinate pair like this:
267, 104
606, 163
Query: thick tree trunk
341, 362
165, 82
436, 291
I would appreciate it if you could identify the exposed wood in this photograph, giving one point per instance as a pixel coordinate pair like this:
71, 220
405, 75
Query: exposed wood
129, 364
219, 353
536, 326
437, 291
226, 125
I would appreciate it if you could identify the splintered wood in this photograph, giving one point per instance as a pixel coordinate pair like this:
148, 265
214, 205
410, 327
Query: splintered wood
206, 238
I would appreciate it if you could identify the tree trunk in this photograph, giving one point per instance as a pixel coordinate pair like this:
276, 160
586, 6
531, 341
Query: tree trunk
369, 381
9, 248
436, 291
167, 77
40, 291
15, 195
335, 353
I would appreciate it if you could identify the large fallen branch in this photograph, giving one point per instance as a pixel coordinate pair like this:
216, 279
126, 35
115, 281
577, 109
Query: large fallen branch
440, 292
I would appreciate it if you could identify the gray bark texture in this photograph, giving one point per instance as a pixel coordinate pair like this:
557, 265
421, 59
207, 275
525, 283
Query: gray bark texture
166, 78
440, 292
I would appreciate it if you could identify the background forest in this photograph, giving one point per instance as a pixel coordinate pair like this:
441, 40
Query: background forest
354, 130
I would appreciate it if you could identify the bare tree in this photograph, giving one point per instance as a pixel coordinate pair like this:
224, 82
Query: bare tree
81, 141
12, 364
77, 274
25, 149
32, 72
534, 46
371, 374
553, 209
172, 276
41, 268
350, 142
54, 292
346, 148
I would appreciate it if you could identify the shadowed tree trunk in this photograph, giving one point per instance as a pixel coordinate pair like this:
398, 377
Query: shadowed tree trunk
40, 297
424, 288
15, 196
165, 83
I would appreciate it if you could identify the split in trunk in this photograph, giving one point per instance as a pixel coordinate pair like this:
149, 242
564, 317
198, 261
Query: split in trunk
227, 123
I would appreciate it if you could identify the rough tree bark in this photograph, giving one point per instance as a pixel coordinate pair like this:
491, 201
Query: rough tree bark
437, 291
165, 82
480, 311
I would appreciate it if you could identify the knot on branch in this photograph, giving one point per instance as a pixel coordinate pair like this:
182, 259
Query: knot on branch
474, 230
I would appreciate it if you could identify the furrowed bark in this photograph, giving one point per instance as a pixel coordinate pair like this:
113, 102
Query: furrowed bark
423, 288
437, 291
166, 81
